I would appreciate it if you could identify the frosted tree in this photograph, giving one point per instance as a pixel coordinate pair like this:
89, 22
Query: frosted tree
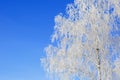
86, 42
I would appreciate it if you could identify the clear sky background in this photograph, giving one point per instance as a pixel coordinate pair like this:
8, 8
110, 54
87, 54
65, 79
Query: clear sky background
25, 29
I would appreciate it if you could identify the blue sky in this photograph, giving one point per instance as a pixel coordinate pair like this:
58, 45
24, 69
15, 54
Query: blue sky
25, 29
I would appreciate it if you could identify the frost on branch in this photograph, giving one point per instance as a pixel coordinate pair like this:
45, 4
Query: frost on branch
87, 42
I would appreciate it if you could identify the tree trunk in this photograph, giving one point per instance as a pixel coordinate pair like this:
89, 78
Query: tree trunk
99, 63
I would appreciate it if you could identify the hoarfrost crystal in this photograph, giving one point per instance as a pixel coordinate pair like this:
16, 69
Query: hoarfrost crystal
87, 40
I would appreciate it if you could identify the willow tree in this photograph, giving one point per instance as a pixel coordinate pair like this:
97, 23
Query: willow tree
86, 42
